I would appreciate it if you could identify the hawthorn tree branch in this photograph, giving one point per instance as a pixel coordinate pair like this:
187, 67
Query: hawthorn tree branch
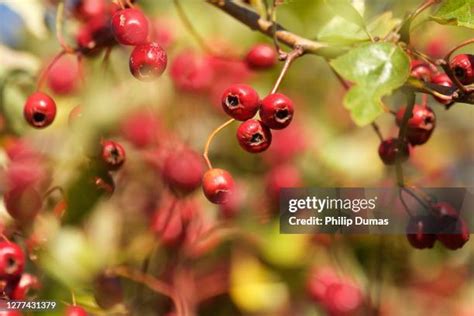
255, 22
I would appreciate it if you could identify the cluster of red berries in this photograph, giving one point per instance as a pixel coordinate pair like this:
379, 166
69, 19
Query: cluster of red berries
422, 120
242, 103
442, 224
14, 282
147, 60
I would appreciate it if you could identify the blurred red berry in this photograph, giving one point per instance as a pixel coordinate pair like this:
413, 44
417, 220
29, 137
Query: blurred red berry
183, 170
148, 61
113, 154
23, 203
420, 125
261, 56
283, 176
191, 72
22, 288
420, 232
141, 128
75, 311
12, 260
63, 76
389, 151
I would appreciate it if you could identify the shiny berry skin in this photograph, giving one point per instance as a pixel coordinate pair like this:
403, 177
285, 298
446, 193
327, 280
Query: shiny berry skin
420, 125
147, 61
75, 311
130, 27
455, 237
23, 203
463, 68
254, 136
276, 111
420, 232
218, 185
442, 79
421, 70
261, 56
26, 283
113, 154
39, 110
389, 151
240, 101
12, 260
183, 170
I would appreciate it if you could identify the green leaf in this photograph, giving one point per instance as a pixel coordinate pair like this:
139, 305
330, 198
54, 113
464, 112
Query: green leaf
376, 70
456, 12
346, 10
340, 31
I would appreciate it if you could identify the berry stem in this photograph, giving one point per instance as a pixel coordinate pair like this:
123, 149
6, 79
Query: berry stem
59, 29
405, 206
291, 56
401, 135
191, 29
153, 284
209, 140
465, 43
42, 77
376, 128
416, 197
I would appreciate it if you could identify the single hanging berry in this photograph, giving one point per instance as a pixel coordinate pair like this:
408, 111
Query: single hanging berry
113, 154
389, 151
463, 68
254, 136
218, 185
276, 111
130, 27
12, 260
420, 125
147, 61
39, 110
261, 56
240, 101
420, 232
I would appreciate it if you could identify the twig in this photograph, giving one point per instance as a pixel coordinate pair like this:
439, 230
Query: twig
42, 77
295, 53
59, 29
257, 23
209, 140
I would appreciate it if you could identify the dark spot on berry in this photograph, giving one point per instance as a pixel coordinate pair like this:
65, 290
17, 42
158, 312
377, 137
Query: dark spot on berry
428, 120
459, 72
282, 114
232, 101
146, 71
11, 265
39, 117
256, 138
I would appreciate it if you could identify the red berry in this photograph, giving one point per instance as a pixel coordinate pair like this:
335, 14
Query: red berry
442, 79
240, 101
63, 76
463, 68
104, 184
88, 9
276, 111
192, 72
130, 27
75, 311
10, 313
148, 61
254, 136
113, 154
389, 151
420, 232
183, 170
141, 128
283, 176
455, 237
420, 125
163, 32
12, 260
39, 110
218, 185
421, 70
26, 283
23, 203
343, 299
261, 56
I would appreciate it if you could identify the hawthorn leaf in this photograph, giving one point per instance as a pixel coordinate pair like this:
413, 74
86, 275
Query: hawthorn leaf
376, 69
456, 12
